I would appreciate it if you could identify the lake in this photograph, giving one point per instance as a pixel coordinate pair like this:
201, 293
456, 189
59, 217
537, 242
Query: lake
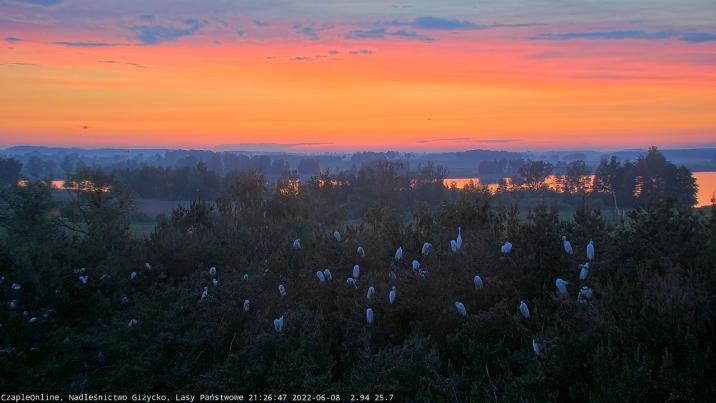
706, 182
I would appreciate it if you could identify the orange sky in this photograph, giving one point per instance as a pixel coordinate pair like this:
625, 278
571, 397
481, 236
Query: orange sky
476, 89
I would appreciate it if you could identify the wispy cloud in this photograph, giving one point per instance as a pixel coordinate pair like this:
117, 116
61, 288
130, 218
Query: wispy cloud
268, 146
260, 23
687, 36
384, 33
361, 52
153, 34
125, 63
20, 64
499, 141
308, 32
40, 2
87, 44
443, 140
146, 17
12, 39
428, 22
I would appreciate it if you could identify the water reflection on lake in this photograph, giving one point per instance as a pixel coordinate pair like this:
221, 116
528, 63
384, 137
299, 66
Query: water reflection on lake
706, 181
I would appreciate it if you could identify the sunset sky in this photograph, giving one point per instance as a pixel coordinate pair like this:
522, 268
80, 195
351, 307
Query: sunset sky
347, 75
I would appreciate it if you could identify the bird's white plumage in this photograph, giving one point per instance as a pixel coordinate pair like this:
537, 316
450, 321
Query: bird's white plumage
278, 324
477, 280
506, 248
583, 271
369, 315
351, 281
327, 274
212, 271
337, 235
460, 308
536, 346
371, 292
399, 253
453, 246
133, 275
133, 322
321, 276
567, 246
392, 295
361, 252
296, 244
415, 264
585, 295
590, 251
426, 248
561, 286
524, 309
356, 272
458, 240
205, 293
247, 305
282, 290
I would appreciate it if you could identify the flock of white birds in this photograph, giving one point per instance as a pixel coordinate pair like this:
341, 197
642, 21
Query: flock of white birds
584, 295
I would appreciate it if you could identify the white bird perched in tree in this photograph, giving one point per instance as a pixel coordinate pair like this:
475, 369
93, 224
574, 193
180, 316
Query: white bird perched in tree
567, 246
356, 272
426, 248
327, 274
478, 283
506, 248
453, 246
215, 282
369, 315
16, 286
80, 270
352, 281
361, 252
583, 271
415, 264
148, 266
247, 305
392, 294
133, 275
212, 271
84, 279
460, 308
536, 346
321, 276
399, 253
133, 322
33, 319
590, 251
124, 300
278, 324
12, 304
205, 293
282, 290
524, 310
585, 295
371, 292
561, 286
458, 240
297, 244
246, 276
337, 235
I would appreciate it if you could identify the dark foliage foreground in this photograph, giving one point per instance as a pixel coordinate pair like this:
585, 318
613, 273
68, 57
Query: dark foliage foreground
646, 335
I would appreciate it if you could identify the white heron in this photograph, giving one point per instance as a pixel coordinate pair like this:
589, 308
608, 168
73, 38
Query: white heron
84, 279
327, 274
478, 283
371, 292
583, 271
246, 276
356, 272
590, 251
278, 324
536, 346
124, 300
148, 266
567, 246
297, 244
399, 253
205, 293
585, 295
80, 270
460, 308
133, 322
351, 281
426, 248
337, 235
453, 246
33, 319
247, 305
215, 282
282, 290
361, 252
212, 271
321, 276
415, 264
524, 310
458, 240
392, 294
12, 304
506, 248
369, 315
561, 286
16, 286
